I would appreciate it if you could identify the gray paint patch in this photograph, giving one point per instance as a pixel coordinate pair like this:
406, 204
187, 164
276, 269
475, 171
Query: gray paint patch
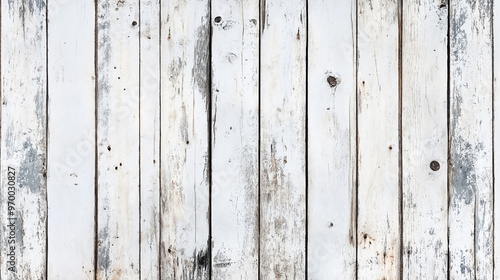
103, 259
200, 70
31, 169
38, 5
463, 175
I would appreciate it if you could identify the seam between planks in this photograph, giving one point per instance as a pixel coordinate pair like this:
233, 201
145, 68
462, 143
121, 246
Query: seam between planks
139, 140
448, 161
400, 136
209, 136
355, 184
492, 32
306, 127
262, 4
96, 162
159, 144
46, 138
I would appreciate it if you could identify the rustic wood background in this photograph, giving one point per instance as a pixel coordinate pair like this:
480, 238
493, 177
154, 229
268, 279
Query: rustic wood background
247, 139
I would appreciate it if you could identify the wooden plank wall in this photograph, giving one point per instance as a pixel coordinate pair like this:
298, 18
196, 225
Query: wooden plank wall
249, 139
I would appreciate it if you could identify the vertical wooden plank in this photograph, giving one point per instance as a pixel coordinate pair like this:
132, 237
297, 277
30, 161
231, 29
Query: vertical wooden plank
283, 139
496, 137
471, 169
118, 140
150, 137
378, 132
235, 139
23, 139
331, 140
425, 141
71, 139
185, 169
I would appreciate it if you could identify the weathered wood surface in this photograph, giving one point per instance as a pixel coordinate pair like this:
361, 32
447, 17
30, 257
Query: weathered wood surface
71, 140
23, 83
282, 140
185, 140
424, 139
331, 84
272, 139
149, 102
496, 137
235, 139
118, 140
378, 140
470, 136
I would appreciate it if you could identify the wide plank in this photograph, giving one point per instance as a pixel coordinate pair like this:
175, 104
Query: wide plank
235, 139
71, 140
331, 136
185, 124
471, 144
23, 80
283, 139
424, 139
118, 140
379, 228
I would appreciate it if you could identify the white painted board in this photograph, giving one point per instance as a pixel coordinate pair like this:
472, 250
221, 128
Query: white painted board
235, 139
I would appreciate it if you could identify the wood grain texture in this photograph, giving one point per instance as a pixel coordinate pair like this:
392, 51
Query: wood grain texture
235, 139
378, 134
150, 138
424, 139
283, 139
71, 140
471, 169
185, 114
496, 138
249, 139
331, 140
23, 83
118, 140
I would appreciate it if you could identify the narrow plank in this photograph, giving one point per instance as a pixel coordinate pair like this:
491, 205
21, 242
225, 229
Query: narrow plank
378, 132
471, 147
235, 139
71, 140
150, 138
496, 138
23, 140
425, 141
331, 140
118, 140
185, 114
283, 139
